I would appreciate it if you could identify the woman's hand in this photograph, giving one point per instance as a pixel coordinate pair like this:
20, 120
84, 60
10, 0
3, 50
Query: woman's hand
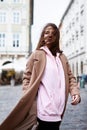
75, 99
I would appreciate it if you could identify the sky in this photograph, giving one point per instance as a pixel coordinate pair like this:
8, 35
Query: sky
46, 11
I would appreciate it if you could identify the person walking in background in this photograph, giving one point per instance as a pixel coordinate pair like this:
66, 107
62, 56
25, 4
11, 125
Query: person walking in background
12, 81
47, 82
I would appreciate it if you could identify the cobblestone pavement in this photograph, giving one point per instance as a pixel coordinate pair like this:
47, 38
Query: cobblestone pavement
75, 117
9, 96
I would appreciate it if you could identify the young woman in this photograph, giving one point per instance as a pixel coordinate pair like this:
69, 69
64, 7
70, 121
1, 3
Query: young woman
47, 82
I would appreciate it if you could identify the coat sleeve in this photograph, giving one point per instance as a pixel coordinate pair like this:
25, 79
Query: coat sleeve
27, 73
73, 85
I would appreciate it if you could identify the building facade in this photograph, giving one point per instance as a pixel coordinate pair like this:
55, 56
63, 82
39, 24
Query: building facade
73, 29
16, 18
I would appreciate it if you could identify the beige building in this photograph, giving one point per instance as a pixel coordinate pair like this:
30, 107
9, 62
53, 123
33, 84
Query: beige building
16, 19
73, 27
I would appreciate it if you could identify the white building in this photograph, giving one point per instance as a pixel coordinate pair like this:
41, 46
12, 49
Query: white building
16, 18
73, 28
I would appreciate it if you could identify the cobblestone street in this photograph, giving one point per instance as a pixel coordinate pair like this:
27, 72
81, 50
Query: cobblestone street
75, 117
9, 96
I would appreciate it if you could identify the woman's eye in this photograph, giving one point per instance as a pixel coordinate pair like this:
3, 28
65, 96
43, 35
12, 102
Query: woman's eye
54, 34
46, 33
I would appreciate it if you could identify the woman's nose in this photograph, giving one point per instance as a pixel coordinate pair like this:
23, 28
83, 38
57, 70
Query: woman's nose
50, 34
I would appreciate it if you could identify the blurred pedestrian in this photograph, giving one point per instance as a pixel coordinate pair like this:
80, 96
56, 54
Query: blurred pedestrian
47, 81
12, 81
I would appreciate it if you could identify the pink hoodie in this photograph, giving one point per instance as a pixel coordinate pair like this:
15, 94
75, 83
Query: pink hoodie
51, 93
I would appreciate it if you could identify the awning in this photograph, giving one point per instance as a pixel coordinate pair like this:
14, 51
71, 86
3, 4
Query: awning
15, 66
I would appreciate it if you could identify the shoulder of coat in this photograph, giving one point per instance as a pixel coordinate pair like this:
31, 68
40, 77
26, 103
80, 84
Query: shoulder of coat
63, 56
39, 52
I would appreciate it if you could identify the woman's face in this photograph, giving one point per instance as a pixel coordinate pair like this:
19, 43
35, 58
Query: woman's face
49, 36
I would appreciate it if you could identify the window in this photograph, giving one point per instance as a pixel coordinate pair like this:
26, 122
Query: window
2, 39
82, 10
73, 23
72, 67
76, 68
81, 67
16, 1
72, 37
1, 0
77, 35
77, 17
16, 40
81, 30
16, 17
2, 17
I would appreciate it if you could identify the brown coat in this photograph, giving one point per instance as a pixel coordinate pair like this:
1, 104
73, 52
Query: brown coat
23, 115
